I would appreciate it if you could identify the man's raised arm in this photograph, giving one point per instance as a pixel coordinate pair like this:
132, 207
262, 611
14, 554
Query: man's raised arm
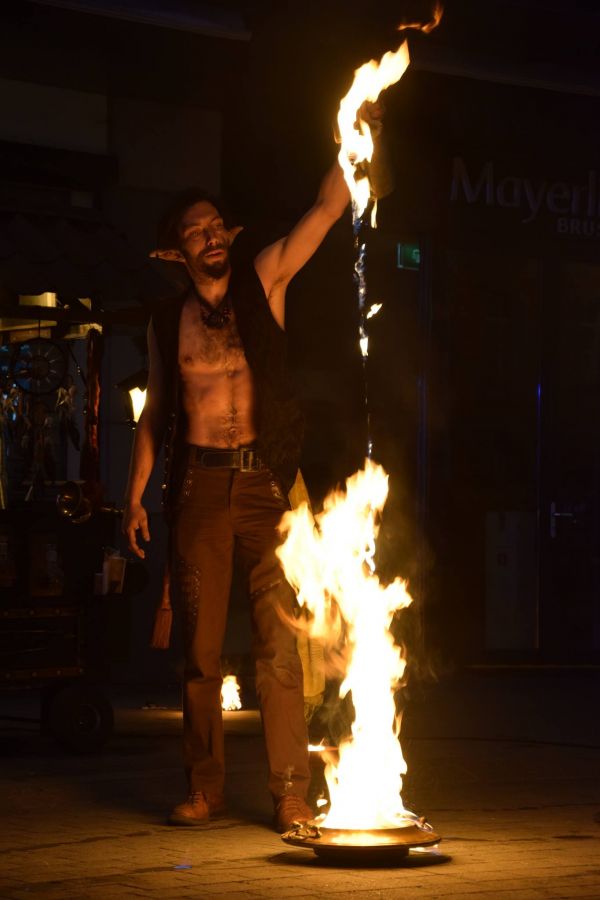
277, 264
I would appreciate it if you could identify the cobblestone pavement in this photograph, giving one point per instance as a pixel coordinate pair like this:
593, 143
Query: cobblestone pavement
507, 770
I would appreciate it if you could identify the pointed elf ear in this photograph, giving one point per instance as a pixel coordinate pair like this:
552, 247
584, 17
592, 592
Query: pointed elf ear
167, 255
233, 233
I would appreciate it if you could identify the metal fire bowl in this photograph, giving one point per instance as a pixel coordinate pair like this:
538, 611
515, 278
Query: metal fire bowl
373, 845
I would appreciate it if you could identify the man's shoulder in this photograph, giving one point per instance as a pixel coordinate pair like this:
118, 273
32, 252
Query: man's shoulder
249, 243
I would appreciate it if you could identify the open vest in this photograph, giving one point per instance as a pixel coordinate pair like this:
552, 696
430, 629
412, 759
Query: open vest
279, 420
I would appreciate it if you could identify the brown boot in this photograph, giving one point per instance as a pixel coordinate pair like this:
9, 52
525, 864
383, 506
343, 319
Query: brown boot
198, 809
290, 812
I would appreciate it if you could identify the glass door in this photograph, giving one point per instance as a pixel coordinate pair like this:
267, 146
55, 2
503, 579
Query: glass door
569, 513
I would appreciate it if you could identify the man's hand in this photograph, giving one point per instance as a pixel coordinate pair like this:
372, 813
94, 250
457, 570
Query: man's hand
135, 518
372, 114
381, 174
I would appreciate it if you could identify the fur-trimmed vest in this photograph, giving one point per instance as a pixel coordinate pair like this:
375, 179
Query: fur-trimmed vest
279, 420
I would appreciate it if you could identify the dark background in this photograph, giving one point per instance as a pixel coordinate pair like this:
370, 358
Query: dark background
483, 372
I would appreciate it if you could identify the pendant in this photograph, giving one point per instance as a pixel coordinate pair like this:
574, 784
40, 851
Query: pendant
216, 318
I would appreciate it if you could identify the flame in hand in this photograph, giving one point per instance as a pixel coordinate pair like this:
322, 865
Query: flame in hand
356, 138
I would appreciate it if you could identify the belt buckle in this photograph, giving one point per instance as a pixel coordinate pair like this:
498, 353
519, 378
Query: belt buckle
247, 463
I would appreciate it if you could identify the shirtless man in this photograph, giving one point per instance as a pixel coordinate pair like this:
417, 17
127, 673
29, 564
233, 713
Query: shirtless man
218, 385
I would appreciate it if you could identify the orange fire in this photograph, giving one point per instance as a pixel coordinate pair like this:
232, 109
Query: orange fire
329, 560
357, 143
230, 693
436, 17
356, 140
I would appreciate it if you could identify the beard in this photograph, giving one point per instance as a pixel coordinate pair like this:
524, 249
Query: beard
213, 269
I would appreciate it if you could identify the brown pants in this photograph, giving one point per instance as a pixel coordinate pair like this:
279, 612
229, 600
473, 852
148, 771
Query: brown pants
218, 509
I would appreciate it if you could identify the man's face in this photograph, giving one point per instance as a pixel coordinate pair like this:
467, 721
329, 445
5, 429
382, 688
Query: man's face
204, 240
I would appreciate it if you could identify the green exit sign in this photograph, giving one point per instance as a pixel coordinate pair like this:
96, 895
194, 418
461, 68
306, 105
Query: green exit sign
408, 256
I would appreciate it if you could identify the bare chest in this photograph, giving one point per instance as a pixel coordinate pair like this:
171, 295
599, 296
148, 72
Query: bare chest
208, 350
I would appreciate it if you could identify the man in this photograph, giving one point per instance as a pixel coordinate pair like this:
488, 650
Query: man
218, 386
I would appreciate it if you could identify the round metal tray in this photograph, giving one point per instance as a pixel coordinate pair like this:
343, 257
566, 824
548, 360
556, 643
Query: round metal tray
369, 845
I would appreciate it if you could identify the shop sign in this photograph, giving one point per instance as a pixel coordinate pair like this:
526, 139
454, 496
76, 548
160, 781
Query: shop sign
573, 206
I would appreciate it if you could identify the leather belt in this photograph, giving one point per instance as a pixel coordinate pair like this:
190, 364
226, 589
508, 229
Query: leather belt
246, 459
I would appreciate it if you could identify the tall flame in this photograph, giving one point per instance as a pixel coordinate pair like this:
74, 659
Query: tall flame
329, 560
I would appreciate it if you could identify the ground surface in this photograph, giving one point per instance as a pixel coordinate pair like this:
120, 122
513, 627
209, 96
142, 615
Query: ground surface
506, 767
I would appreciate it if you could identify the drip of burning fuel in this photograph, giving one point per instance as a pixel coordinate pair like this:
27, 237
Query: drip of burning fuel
230, 693
355, 155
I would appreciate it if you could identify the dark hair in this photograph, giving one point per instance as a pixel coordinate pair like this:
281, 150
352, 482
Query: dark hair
168, 226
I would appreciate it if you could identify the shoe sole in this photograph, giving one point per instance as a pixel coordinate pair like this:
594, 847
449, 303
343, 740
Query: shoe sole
188, 822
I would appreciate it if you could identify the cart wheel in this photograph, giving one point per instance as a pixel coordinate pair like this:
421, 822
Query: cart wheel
79, 717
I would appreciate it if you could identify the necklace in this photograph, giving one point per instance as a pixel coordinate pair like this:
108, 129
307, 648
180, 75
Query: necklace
214, 316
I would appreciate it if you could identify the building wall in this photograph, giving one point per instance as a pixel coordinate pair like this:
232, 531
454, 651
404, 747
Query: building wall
51, 116
68, 82
502, 180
